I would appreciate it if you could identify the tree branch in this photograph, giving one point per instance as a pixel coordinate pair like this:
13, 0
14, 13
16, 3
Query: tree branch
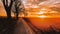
11, 3
4, 3
7, 3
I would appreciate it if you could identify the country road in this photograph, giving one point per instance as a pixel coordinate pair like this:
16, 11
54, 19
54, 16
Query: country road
23, 28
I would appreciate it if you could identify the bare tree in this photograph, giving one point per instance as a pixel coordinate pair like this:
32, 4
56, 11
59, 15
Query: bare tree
17, 8
8, 6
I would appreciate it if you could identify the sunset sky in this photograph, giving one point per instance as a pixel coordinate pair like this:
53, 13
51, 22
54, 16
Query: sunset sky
2, 11
35, 4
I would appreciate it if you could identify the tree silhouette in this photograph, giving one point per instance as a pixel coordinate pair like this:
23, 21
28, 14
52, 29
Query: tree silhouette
17, 8
15, 5
8, 7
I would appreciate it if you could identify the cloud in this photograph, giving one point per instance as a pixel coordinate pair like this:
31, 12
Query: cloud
55, 4
50, 2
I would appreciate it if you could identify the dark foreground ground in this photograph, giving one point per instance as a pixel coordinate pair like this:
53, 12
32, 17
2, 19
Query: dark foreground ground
21, 27
7, 26
13, 26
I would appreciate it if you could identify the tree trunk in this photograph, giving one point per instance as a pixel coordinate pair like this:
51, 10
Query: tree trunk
17, 15
8, 12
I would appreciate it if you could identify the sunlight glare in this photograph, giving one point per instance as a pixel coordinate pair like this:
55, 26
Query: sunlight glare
44, 9
41, 12
42, 16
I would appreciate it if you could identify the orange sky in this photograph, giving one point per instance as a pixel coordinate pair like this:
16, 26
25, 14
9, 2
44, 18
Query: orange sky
3, 13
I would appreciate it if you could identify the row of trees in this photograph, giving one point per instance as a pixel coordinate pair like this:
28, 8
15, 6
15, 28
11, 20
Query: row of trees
12, 5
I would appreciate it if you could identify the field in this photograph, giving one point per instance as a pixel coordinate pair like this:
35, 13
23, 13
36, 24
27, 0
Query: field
30, 26
44, 25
